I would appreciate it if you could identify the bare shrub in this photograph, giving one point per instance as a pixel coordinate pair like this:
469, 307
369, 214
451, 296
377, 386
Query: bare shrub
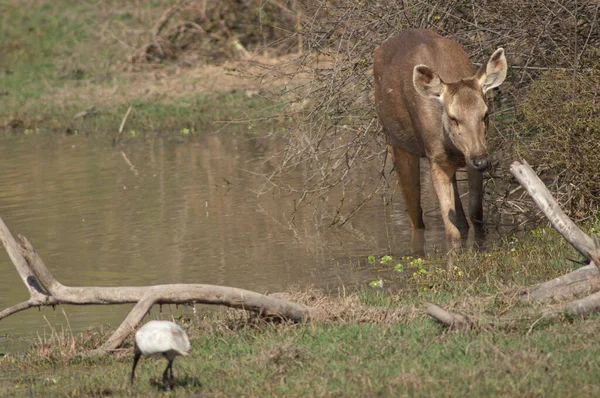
336, 141
560, 132
219, 30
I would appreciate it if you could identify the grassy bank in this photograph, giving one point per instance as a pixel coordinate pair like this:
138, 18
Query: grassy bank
367, 342
62, 60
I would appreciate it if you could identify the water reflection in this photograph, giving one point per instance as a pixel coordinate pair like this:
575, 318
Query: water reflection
190, 214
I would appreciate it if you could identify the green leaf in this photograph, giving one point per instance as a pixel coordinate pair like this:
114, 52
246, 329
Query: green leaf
386, 259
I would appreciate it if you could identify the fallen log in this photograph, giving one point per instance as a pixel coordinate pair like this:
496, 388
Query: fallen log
45, 290
582, 308
578, 290
583, 281
551, 209
576, 284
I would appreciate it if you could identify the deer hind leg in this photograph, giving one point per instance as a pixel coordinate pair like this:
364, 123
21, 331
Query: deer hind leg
409, 173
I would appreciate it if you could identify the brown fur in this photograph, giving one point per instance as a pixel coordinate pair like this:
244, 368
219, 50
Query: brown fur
430, 101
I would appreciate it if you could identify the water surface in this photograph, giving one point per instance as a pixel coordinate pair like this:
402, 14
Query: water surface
188, 213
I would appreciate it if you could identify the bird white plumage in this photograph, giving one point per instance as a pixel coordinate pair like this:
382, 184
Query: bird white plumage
161, 338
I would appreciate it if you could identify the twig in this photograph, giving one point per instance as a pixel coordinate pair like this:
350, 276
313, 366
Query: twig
131, 166
89, 111
124, 119
167, 15
116, 139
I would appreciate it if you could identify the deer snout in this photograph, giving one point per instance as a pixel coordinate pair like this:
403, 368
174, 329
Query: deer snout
479, 163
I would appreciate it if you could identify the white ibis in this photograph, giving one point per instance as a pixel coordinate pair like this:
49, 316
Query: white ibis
160, 338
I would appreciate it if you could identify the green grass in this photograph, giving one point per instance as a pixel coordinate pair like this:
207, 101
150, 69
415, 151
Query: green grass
371, 342
523, 259
340, 359
61, 58
39, 42
202, 113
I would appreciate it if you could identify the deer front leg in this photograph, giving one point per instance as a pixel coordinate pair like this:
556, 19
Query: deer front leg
442, 178
461, 219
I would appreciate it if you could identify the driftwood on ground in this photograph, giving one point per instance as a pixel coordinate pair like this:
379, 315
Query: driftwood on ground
451, 320
45, 290
579, 283
578, 292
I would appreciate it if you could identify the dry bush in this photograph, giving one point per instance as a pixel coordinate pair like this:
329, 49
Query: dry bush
219, 30
336, 142
560, 132
348, 307
62, 345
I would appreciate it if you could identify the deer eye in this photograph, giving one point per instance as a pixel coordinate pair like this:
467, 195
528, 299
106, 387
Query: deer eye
454, 121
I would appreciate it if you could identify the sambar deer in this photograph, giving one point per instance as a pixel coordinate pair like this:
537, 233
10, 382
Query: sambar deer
430, 100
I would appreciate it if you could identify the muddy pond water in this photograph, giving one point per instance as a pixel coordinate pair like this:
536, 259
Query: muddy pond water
188, 213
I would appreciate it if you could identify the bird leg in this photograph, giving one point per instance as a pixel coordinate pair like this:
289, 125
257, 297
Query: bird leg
171, 374
136, 358
168, 375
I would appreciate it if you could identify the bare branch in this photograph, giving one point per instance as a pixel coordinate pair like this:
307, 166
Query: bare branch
16, 308
128, 326
19, 261
449, 319
548, 205
46, 290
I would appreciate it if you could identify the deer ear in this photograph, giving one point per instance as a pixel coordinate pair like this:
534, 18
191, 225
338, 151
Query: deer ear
427, 82
493, 73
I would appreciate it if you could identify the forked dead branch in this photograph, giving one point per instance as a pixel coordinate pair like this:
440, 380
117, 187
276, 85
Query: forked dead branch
577, 293
45, 290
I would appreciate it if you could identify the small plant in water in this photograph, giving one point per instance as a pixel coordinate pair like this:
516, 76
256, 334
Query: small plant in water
421, 272
378, 283
185, 131
386, 259
399, 267
512, 240
416, 262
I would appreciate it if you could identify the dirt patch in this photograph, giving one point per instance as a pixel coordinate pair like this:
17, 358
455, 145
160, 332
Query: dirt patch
171, 84
348, 307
